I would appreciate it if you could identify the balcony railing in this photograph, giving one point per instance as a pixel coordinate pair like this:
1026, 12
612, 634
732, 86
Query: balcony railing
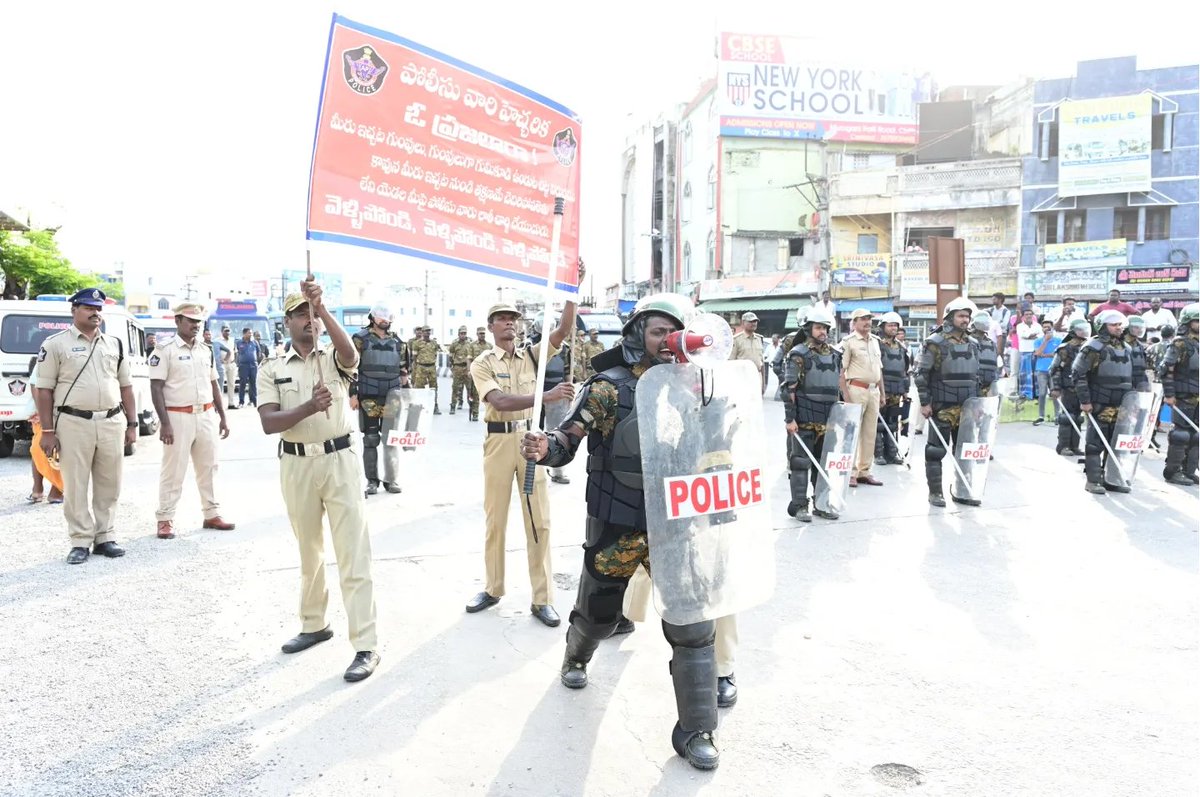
933, 178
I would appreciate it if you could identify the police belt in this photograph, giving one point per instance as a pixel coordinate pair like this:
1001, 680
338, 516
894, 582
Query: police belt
192, 408
315, 449
87, 415
503, 427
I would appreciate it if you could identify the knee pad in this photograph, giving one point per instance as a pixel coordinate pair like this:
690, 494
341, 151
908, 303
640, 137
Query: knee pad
934, 451
1180, 437
797, 463
372, 439
598, 604
693, 635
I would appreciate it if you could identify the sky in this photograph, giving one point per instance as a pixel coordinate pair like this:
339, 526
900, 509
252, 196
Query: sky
176, 138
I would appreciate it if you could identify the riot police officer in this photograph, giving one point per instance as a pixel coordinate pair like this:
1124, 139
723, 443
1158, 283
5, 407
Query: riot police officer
1062, 388
947, 375
790, 340
810, 387
1135, 338
1181, 391
896, 364
556, 374
1103, 373
383, 367
616, 544
981, 324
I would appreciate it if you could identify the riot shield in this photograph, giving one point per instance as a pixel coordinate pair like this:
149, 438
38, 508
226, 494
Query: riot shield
837, 456
1131, 435
408, 418
705, 479
554, 412
978, 421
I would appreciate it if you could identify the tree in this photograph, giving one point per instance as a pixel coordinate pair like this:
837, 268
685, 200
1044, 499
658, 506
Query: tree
32, 265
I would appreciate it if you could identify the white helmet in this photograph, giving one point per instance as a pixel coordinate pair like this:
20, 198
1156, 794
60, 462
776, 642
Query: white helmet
1111, 317
890, 318
381, 312
961, 303
802, 314
819, 315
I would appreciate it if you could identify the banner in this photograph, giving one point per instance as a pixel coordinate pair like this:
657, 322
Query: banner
1085, 254
421, 154
861, 271
773, 87
991, 272
787, 283
914, 279
1104, 145
1164, 275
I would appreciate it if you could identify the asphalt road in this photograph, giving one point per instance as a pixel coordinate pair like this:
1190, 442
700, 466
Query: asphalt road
1044, 643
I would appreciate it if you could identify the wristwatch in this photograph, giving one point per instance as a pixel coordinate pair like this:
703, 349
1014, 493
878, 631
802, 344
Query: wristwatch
130, 424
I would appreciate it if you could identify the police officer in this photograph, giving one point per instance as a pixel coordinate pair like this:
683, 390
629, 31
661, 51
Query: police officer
1062, 387
811, 376
478, 347
790, 340
84, 394
382, 367
896, 364
1135, 338
248, 357
556, 374
587, 350
231, 377
424, 355
748, 345
981, 325
506, 377
616, 544
219, 355
947, 375
460, 365
1103, 373
184, 389
1180, 375
304, 402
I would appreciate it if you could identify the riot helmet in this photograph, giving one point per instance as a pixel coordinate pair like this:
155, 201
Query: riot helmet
1081, 327
674, 306
1189, 314
981, 321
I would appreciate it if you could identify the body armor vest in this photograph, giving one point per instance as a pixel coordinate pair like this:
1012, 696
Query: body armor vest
1113, 377
614, 465
818, 391
895, 375
1060, 375
556, 369
987, 357
1187, 377
379, 364
957, 378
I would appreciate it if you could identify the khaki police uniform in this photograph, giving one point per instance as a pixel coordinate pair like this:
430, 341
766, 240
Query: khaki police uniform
862, 365
747, 346
231, 370
515, 373
187, 372
323, 476
86, 377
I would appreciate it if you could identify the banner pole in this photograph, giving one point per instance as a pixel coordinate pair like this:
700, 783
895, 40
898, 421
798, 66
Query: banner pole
544, 342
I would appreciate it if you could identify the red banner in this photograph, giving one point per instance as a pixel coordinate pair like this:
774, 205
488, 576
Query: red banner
421, 154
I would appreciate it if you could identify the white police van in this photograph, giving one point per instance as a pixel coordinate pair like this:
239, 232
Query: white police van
24, 325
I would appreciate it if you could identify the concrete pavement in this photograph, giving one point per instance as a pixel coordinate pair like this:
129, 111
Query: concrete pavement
1045, 643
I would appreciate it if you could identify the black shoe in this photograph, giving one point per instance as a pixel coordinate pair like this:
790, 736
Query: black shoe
233, 407
881, 461
626, 626
436, 410
1064, 452
365, 662
573, 674
306, 639
726, 691
823, 514
698, 747
1178, 478
1039, 421
936, 499
560, 479
1195, 477
965, 501
1117, 488
373, 488
799, 511
918, 432
895, 461
77, 556
546, 614
481, 602
109, 549
392, 487
452, 410
1094, 488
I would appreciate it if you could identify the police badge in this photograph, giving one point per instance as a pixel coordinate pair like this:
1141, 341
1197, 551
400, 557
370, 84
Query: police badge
363, 70
565, 146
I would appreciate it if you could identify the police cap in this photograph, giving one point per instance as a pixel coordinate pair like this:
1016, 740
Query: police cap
92, 297
502, 307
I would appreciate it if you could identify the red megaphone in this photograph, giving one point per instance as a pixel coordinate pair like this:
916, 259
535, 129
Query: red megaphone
682, 342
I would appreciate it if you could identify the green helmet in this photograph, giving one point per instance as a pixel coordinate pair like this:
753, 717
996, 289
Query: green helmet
673, 305
981, 321
1081, 327
1189, 313
1136, 325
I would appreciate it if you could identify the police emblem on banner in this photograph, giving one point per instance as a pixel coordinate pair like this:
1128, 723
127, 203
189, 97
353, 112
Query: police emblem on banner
364, 70
565, 147
16, 387
737, 87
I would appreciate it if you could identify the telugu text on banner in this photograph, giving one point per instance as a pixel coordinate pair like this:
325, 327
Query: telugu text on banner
421, 154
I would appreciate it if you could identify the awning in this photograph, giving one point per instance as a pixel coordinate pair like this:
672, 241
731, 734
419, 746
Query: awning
754, 303
874, 305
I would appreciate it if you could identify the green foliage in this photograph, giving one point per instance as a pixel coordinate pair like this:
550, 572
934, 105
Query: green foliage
32, 265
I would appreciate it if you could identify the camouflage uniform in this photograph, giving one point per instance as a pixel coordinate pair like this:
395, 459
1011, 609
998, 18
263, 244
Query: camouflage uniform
460, 360
478, 347
583, 359
424, 356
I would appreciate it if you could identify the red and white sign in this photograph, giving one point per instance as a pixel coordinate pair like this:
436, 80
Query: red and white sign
976, 452
710, 493
407, 439
1130, 442
419, 153
839, 463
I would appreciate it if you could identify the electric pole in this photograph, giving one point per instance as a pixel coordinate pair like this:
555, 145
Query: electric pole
425, 299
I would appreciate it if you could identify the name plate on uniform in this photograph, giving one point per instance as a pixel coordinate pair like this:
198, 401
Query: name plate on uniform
976, 452
1130, 442
407, 439
839, 463
710, 493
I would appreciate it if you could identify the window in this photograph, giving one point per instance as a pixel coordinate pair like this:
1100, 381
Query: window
451, 311
1161, 131
467, 313
1047, 228
712, 187
1074, 226
687, 262
860, 160
687, 142
685, 212
1125, 223
711, 257
1158, 224
163, 304
919, 237
1048, 140
795, 247
868, 244
23, 334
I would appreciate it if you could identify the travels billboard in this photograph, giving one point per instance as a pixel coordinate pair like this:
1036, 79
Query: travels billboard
1104, 145
777, 87
1113, 252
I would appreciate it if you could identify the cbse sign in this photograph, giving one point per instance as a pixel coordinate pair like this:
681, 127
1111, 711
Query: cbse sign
710, 493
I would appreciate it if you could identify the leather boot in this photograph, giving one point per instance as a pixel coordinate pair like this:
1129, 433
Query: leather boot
694, 673
575, 660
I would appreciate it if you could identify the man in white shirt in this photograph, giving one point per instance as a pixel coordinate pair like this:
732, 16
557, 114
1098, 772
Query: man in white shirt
1156, 317
1028, 332
827, 303
1062, 317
